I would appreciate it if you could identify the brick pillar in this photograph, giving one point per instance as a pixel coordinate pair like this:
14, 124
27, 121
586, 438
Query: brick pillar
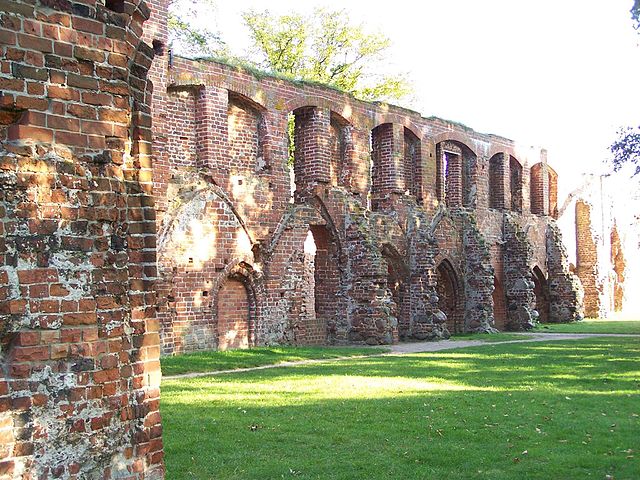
212, 105
587, 259
387, 152
312, 147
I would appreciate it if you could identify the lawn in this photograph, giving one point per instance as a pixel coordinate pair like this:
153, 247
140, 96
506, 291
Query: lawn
592, 326
564, 409
490, 338
212, 360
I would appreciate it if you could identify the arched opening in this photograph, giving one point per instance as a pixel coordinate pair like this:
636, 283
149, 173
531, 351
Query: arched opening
499, 304
541, 291
234, 313
340, 145
496, 181
323, 274
398, 284
553, 192
381, 155
245, 134
449, 296
455, 163
411, 166
515, 170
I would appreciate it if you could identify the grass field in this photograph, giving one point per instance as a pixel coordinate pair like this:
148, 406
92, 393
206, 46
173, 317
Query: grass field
490, 338
561, 410
592, 326
211, 360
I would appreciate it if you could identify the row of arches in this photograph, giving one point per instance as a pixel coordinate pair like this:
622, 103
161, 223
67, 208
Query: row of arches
237, 311
323, 149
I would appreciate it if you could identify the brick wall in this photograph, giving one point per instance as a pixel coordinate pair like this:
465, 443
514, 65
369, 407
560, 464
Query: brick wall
369, 175
587, 260
233, 315
80, 371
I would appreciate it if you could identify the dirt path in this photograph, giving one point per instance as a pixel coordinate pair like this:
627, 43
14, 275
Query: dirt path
411, 347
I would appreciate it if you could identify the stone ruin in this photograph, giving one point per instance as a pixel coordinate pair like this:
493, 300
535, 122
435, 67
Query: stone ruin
154, 204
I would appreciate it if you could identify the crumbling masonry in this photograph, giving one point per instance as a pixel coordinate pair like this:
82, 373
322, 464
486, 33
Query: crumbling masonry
281, 212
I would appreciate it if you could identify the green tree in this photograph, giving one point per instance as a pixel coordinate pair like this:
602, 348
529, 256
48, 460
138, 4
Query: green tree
188, 39
325, 47
626, 149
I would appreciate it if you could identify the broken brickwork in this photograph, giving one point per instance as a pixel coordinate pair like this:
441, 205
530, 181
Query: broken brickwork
79, 391
587, 260
356, 223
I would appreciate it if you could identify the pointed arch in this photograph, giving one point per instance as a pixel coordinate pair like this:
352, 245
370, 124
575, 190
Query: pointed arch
450, 295
541, 291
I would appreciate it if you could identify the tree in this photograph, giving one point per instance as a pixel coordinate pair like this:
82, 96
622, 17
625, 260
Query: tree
188, 39
626, 149
324, 47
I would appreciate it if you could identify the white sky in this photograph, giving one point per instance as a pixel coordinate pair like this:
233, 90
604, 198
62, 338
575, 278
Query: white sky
561, 74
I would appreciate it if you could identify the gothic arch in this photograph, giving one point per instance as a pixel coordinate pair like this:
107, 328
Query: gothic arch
450, 295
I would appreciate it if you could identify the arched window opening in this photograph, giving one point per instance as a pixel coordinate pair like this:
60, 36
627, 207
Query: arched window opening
398, 285
381, 156
245, 134
541, 291
323, 281
499, 304
412, 170
496, 181
339, 143
233, 315
455, 167
516, 184
449, 296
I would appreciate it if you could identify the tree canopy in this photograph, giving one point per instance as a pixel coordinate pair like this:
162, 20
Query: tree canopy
188, 39
626, 149
325, 47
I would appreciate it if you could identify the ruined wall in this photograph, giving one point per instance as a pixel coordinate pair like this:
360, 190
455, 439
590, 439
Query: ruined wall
600, 221
406, 214
587, 260
79, 342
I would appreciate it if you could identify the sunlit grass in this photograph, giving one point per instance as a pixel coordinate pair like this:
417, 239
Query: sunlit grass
565, 410
490, 338
592, 326
212, 360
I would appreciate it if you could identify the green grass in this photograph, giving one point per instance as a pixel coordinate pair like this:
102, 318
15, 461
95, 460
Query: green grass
592, 326
562, 410
490, 338
211, 361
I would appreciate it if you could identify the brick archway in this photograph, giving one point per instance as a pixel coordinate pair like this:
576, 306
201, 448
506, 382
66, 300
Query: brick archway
398, 282
233, 315
449, 292
541, 291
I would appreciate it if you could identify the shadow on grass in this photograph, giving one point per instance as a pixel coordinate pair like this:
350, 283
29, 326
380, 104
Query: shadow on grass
572, 406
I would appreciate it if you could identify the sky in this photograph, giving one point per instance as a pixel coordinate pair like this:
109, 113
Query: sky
559, 74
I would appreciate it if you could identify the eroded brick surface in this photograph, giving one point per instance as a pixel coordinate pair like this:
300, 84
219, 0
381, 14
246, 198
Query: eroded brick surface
153, 204
79, 355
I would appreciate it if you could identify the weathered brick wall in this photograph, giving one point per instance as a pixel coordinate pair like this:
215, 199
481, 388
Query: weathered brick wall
80, 372
393, 193
587, 260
